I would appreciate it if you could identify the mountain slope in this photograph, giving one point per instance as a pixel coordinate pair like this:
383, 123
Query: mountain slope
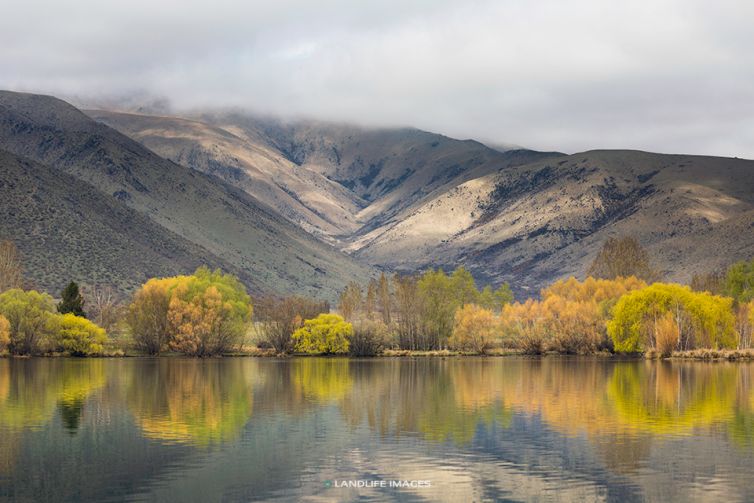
302, 196
535, 223
66, 230
390, 169
223, 220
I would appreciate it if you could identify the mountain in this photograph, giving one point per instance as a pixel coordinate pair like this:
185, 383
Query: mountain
335, 180
420, 199
257, 196
208, 217
546, 220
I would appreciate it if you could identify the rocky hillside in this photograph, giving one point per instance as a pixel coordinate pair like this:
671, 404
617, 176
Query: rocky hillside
333, 179
532, 224
216, 219
66, 230
303, 196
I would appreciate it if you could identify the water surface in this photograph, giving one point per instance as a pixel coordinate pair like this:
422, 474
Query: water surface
473, 429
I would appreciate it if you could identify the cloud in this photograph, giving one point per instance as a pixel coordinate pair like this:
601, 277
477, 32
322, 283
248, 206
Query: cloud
662, 75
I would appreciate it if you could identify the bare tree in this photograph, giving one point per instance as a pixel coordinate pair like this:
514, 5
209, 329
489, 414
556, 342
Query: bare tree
385, 299
105, 306
351, 300
277, 318
11, 272
622, 257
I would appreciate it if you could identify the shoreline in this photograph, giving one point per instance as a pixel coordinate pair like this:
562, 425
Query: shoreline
711, 355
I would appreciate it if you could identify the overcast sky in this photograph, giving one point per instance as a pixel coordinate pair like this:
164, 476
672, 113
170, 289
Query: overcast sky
660, 75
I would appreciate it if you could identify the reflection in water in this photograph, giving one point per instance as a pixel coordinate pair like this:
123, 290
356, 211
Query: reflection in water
491, 428
31, 390
190, 400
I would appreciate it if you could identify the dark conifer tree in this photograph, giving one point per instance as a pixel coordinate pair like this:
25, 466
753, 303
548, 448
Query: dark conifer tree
73, 301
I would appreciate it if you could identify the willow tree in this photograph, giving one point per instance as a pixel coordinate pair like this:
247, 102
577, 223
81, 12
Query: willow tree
702, 319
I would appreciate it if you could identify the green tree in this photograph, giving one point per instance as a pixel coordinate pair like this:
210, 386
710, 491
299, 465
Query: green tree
72, 301
30, 314
325, 334
739, 281
622, 257
78, 336
494, 300
439, 303
463, 287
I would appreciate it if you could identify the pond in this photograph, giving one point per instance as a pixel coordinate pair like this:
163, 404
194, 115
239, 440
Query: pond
324, 429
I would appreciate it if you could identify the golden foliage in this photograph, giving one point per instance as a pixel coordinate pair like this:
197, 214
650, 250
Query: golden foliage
475, 329
570, 318
202, 314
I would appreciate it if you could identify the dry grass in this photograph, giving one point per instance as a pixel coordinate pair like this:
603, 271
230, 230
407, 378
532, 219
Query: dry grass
715, 354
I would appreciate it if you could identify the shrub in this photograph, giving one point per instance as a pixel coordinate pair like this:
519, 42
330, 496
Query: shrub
368, 338
29, 314
325, 334
79, 336
209, 313
475, 329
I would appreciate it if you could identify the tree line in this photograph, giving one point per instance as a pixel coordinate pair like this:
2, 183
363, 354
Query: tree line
619, 307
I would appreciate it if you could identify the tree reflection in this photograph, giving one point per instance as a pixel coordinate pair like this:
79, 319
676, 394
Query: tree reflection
672, 398
190, 400
30, 391
436, 399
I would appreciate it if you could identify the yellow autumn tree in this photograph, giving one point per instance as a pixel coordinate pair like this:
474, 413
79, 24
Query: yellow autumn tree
148, 315
570, 318
523, 326
202, 314
475, 329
